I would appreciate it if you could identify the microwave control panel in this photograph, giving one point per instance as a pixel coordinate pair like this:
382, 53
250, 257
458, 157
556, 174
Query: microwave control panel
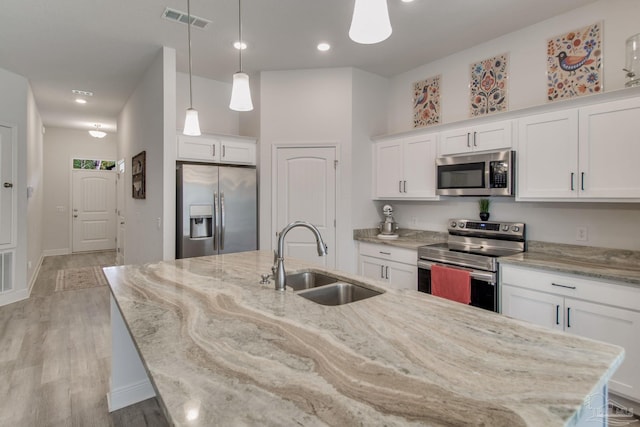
498, 174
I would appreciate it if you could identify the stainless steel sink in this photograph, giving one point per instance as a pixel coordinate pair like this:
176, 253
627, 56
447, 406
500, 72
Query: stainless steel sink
307, 280
338, 293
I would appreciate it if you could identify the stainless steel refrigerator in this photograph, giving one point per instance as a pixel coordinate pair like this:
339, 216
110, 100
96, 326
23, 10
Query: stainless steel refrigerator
216, 210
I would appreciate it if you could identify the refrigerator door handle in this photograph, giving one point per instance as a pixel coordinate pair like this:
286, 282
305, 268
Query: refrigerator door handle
215, 221
222, 220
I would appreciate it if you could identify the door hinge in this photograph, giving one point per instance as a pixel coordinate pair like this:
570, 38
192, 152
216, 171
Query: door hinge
335, 164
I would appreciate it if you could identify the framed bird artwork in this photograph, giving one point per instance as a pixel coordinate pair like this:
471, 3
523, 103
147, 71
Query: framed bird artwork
426, 102
488, 86
574, 63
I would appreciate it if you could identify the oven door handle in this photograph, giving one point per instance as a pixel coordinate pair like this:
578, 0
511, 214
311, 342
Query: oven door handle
485, 276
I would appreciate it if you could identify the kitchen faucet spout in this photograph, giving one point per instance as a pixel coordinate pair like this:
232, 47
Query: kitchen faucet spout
278, 268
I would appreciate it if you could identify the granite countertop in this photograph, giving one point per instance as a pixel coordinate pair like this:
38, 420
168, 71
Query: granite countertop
212, 338
407, 238
592, 262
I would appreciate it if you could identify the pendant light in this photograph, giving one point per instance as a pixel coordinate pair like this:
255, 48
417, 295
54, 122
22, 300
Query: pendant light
240, 91
191, 123
97, 133
370, 23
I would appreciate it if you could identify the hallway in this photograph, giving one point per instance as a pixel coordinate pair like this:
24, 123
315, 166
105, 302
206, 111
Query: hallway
55, 352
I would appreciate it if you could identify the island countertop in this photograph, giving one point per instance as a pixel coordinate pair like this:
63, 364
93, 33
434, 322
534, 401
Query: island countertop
218, 344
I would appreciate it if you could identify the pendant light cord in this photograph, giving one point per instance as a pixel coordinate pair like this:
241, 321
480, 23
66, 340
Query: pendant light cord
240, 30
189, 37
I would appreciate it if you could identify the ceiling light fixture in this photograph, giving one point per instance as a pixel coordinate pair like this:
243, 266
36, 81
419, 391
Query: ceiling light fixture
191, 123
370, 23
323, 47
240, 91
97, 133
81, 101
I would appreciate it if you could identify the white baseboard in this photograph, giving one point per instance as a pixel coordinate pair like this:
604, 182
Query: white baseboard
130, 394
54, 252
34, 276
10, 297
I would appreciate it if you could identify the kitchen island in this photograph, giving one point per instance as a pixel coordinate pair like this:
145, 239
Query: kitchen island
222, 349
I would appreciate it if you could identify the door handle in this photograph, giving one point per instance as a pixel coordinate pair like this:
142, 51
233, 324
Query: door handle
572, 187
222, 220
215, 221
75, 216
8, 185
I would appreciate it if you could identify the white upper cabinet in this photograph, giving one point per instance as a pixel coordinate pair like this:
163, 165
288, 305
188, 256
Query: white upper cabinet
404, 168
217, 149
584, 154
487, 137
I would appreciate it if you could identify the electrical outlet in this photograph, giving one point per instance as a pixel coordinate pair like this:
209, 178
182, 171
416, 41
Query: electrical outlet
581, 234
159, 223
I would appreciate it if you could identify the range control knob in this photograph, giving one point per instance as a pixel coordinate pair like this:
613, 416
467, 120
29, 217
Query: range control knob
515, 228
461, 224
453, 224
505, 227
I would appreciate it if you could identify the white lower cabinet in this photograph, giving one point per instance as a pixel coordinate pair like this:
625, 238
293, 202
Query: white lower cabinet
594, 309
396, 267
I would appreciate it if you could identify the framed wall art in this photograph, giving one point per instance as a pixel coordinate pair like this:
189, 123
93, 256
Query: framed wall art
574, 63
426, 102
138, 177
489, 85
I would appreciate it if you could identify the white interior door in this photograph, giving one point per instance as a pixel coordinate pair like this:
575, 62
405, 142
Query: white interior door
6, 186
306, 191
120, 220
94, 210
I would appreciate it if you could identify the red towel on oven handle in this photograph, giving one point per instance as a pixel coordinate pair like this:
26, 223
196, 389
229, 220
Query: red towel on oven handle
451, 283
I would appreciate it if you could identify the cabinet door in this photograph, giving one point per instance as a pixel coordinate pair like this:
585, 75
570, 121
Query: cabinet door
401, 276
548, 156
238, 152
371, 268
492, 136
420, 167
388, 169
613, 325
610, 149
535, 307
198, 148
455, 141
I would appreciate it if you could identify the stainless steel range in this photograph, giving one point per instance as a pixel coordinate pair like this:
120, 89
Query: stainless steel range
473, 246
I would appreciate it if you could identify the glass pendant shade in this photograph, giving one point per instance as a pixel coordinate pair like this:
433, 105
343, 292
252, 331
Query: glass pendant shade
370, 23
632, 63
240, 93
191, 123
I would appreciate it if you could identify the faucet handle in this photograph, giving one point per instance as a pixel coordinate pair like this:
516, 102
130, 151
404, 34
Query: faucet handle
265, 279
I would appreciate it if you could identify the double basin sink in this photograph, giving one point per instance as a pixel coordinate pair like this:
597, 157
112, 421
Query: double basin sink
327, 290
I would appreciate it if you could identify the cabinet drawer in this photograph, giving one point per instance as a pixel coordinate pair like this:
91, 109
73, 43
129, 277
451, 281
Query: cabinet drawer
580, 287
392, 253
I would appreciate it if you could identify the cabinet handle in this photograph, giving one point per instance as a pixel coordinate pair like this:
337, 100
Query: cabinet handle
582, 181
475, 144
385, 253
468, 143
399, 186
8, 185
213, 147
563, 286
557, 314
224, 150
387, 273
572, 188
382, 271
404, 186
568, 317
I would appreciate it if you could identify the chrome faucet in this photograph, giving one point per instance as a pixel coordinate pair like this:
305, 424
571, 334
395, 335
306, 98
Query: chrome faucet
278, 266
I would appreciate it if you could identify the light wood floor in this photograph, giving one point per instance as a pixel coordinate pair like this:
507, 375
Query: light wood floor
55, 355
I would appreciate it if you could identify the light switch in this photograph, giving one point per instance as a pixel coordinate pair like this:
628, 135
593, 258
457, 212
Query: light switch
59, 208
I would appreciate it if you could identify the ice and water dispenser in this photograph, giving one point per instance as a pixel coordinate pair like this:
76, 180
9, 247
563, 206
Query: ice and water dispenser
201, 221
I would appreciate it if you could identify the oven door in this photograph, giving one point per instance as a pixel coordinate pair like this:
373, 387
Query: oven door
484, 291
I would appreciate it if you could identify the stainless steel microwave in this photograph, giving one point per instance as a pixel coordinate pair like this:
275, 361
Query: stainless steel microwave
481, 174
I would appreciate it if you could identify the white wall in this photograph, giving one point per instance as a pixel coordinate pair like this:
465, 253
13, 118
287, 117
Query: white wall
146, 123
609, 225
60, 147
211, 99
527, 62
35, 164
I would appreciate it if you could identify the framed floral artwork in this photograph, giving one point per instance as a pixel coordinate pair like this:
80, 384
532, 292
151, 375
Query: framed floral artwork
426, 102
489, 85
574, 63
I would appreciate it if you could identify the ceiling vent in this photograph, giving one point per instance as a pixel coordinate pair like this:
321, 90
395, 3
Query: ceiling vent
181, 17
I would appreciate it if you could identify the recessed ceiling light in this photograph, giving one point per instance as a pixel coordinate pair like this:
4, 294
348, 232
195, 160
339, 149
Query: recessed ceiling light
81, 101
81, 92
407, 1
323, 47
240, 45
